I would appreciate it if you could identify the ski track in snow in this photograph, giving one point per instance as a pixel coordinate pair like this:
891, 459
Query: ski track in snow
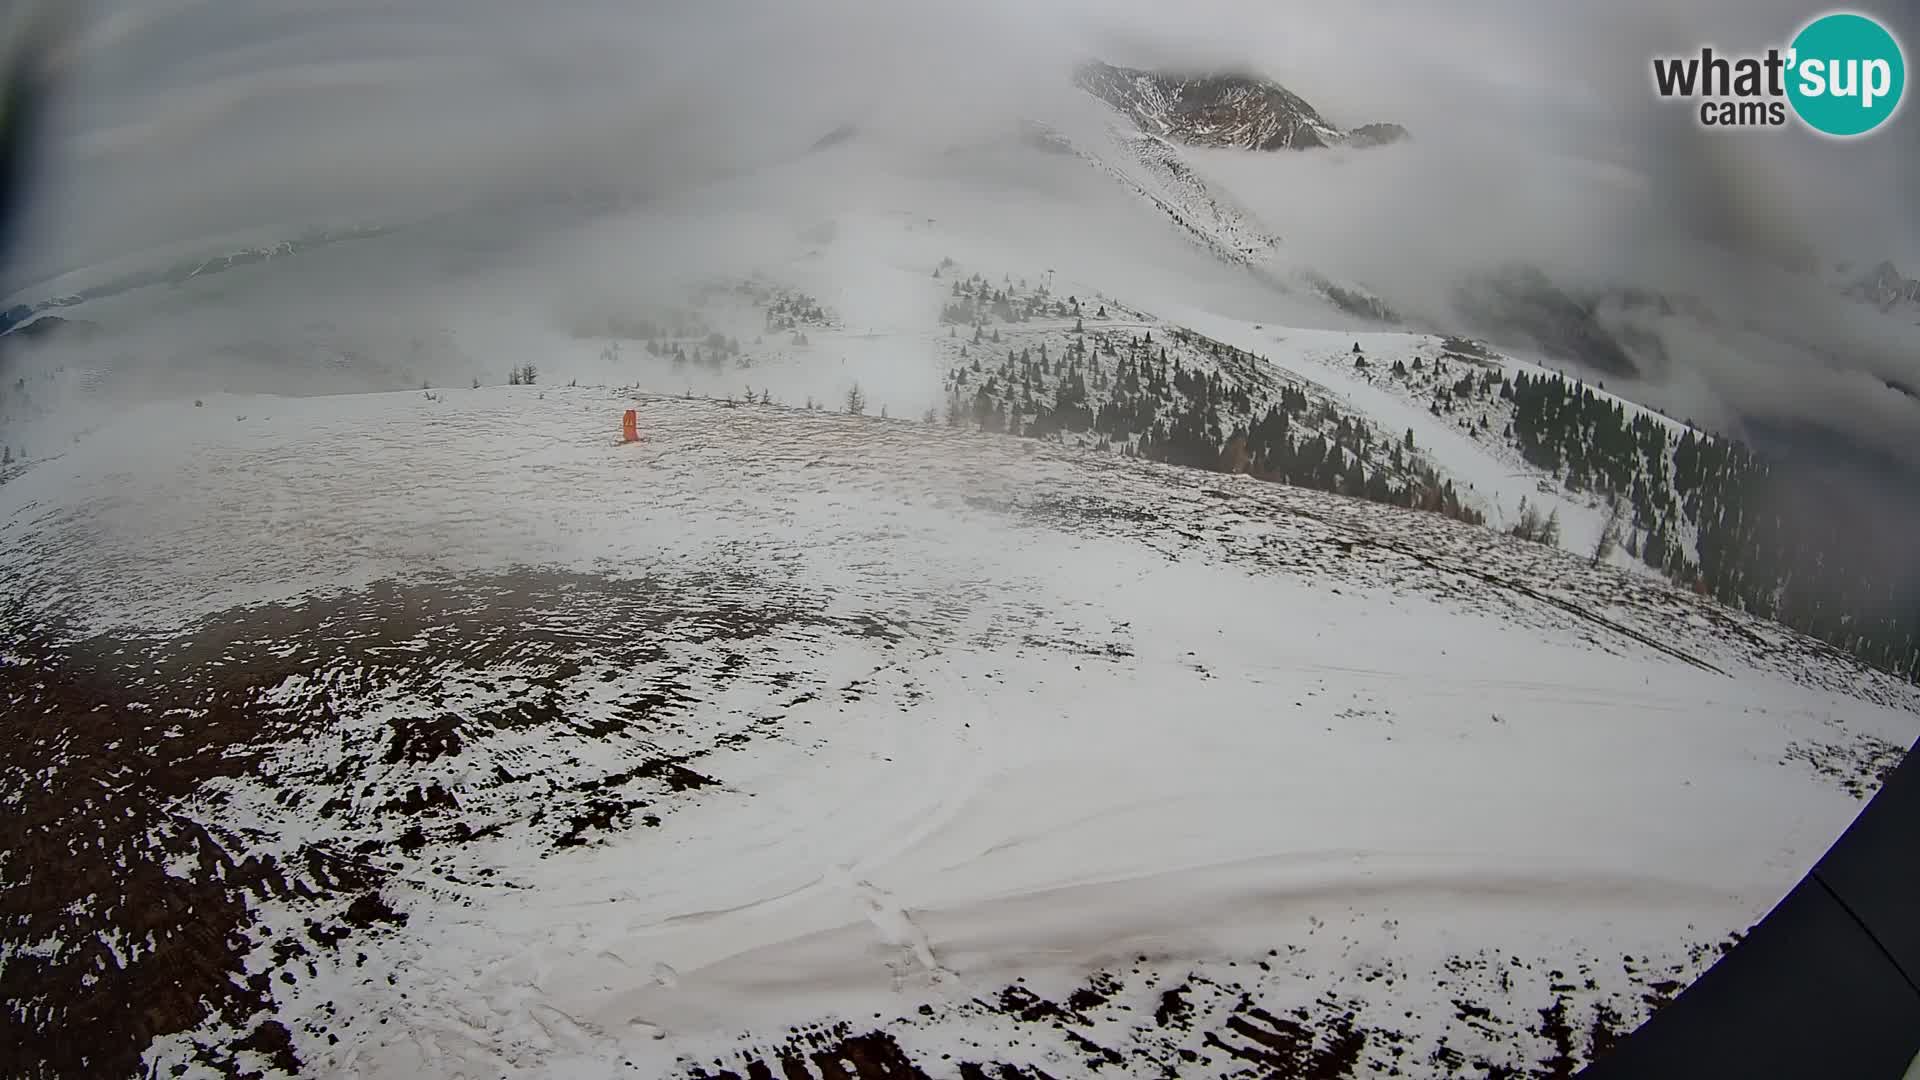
932, 734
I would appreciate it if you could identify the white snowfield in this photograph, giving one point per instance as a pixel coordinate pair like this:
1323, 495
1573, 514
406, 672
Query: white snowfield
1030, 756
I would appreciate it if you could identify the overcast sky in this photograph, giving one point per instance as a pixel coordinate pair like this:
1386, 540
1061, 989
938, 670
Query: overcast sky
187, 117
182, 121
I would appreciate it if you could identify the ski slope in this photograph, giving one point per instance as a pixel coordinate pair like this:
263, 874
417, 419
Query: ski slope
785, 734
1492, 474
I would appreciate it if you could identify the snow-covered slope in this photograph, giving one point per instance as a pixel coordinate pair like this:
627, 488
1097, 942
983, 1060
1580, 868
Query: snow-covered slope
1150, 116
1152, 168
1466, 437
448, 736
880, 282
433, 732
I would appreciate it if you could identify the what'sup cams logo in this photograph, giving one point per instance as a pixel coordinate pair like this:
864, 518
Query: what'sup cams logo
1843, 75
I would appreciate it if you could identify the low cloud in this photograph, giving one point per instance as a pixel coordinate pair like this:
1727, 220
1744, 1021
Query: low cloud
1536, 139
186, 116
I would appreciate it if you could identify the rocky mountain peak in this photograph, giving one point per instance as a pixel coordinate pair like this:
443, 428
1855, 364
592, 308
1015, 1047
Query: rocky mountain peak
1227, 110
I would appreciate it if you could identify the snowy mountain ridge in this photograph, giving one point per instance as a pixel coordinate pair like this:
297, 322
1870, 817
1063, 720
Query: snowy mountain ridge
1221, 110
1152, 168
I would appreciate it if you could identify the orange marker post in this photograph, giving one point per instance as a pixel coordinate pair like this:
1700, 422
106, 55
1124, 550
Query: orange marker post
630, 426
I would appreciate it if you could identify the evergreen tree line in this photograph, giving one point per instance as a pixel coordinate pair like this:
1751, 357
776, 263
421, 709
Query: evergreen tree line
1131, 395
792, 312
976, 302
1762, 540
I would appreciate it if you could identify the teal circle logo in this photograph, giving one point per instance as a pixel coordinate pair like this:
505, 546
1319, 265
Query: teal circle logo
1846, 74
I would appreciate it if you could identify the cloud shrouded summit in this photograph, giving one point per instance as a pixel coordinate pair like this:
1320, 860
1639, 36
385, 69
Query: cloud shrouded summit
1538, 141
188, 117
